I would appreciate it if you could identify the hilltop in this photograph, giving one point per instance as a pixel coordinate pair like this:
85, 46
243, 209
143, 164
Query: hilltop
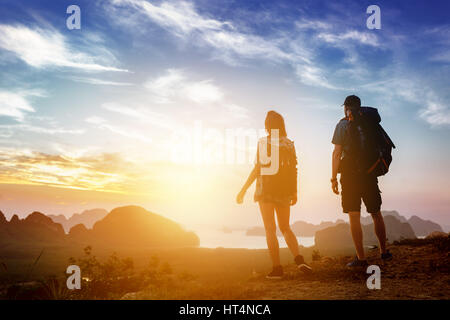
129, 225
87, 218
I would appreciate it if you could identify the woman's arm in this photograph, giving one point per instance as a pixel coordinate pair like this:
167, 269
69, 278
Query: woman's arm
251, 178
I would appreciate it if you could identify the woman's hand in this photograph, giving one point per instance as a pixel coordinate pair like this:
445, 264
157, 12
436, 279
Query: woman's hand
240, 197
294, 200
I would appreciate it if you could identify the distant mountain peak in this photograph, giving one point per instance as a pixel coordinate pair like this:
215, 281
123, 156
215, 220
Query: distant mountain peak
87, 218
2, 218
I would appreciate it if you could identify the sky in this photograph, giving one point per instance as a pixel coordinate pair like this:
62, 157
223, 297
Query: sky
137, 106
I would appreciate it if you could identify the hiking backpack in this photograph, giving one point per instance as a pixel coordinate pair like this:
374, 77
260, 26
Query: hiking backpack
284, 182
370, 148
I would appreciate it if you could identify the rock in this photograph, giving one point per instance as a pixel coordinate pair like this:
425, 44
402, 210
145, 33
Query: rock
436, 234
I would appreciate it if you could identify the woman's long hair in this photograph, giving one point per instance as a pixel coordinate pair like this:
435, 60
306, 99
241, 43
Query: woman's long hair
274, 120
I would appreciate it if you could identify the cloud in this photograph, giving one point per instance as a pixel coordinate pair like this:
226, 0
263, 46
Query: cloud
100, 172
175, 84
182, 20
104, 124
14, 105
167, 86
306, 24
51, 130
313, 76
96, 81
435, 114
357, 36
42, 48
441, 57
141, 114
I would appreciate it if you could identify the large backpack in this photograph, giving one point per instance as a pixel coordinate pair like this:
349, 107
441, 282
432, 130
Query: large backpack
370, 148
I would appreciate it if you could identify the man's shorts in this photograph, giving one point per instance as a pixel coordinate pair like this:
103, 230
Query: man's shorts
356, 187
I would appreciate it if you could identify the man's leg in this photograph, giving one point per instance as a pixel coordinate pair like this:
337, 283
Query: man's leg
380, 230
357, 235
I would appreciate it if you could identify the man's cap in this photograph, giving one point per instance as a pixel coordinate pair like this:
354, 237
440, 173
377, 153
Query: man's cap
353, 102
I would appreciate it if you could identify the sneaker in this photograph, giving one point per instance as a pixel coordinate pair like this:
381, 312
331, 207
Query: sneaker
386, 256
356, 263
301, 265
277, 273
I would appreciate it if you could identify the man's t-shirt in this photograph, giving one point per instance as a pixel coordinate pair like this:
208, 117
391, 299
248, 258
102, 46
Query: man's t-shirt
340, 135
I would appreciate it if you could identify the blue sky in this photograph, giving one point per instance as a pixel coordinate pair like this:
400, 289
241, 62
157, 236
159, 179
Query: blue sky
94, 109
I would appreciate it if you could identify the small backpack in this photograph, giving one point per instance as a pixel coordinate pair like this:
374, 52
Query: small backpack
284, 182
370, 148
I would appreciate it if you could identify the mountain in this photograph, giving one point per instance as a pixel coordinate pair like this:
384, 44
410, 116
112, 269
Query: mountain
339, 237
300, 228
36, 227
423, 227
394, 213
420, 227
133, 225
128, 226
87, 218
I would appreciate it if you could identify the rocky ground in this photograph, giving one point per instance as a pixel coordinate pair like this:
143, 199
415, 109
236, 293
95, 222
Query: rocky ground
420, 270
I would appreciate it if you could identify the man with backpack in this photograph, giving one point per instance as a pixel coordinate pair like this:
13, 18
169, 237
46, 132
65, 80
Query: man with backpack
362, 152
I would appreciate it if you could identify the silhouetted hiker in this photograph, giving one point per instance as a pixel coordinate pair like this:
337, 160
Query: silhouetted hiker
362, 152
276, 191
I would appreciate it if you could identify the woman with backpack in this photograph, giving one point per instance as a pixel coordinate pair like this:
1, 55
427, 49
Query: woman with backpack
276, 191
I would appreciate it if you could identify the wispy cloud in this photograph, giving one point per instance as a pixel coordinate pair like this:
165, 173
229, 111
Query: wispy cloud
175, 84
15, 105
435, 114
182, 20
102, 82
100, 172
104, 124
141, 114
42, 48
353, 35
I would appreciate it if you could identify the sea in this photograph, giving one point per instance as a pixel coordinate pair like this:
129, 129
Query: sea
214, 238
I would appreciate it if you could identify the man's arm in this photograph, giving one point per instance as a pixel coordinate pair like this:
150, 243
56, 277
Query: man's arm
336, 160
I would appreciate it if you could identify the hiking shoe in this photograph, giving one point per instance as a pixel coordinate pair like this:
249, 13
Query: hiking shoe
301, 265
277, 273
386, 256
356, 263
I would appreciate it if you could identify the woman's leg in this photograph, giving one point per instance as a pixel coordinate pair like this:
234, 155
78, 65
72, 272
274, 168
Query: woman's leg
267, 212
283, 215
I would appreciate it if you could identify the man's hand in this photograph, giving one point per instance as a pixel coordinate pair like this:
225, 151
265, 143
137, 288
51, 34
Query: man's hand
335, 186
293, 200
240, 197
